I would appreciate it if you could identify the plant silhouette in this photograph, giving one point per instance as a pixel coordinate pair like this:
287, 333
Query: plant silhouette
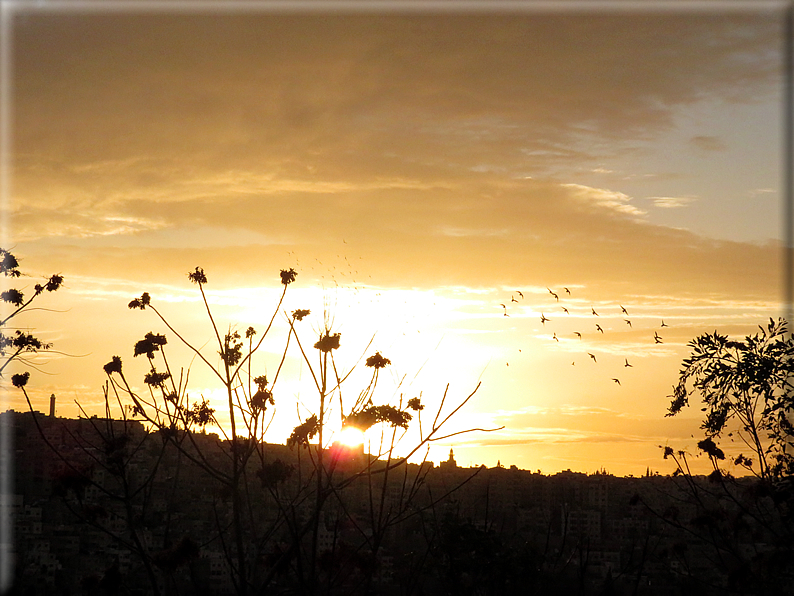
273, 507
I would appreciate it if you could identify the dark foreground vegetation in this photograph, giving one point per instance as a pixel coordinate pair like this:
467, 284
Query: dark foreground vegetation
147, 500
83, 527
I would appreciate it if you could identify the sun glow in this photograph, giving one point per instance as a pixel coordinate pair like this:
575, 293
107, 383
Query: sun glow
351, 436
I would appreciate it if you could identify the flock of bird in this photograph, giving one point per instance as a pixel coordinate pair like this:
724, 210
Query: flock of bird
598, 329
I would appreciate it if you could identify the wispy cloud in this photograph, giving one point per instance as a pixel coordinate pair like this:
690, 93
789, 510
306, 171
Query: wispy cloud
604, 198
570, 424
528, 436
671, 202
32, 223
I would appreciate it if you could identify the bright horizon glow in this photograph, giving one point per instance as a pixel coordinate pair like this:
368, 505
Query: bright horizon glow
432, 178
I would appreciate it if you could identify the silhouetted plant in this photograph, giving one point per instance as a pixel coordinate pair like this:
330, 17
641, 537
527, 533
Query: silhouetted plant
746, 391
299, 493
19, 345
748, 383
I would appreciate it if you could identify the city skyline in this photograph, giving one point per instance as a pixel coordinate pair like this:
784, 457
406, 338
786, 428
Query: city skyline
471, 187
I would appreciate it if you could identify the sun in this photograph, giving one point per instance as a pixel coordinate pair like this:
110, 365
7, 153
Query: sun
351, 436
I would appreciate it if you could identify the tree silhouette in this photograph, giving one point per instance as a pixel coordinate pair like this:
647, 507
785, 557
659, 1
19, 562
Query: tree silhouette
746, 391
746, 384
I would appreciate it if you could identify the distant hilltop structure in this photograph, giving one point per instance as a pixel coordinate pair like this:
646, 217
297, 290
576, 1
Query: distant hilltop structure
450, 463
52, 406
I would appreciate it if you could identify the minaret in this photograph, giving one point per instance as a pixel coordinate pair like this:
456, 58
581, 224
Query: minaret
450, 463
52, 406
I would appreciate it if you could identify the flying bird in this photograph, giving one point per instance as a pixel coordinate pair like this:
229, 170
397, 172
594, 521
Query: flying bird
617, 381
567, 291
555, 338
657, 338
519, 293
513, 299
628, 323
594, 312
663, 325
627, 363
553, 294
592, 356
625, 312
598, 327
543, 319
577, 334
566, 310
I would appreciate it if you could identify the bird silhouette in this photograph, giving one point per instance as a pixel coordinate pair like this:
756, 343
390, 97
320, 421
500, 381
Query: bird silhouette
567, 291
566, 310
594, 312
513, 299
553, 294
543, 319
555, 338
592, 356
657, 338
627, 363
598, 328
617, 381
628, 323
625, 312
577, 334
663, 325
519, 293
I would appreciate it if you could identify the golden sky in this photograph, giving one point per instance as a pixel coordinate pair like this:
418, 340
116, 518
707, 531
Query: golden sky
417, 169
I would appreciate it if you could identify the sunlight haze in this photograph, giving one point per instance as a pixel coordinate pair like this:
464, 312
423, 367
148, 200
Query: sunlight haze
434, 178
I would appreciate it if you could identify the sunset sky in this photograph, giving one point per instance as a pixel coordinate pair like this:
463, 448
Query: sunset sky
418, 169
